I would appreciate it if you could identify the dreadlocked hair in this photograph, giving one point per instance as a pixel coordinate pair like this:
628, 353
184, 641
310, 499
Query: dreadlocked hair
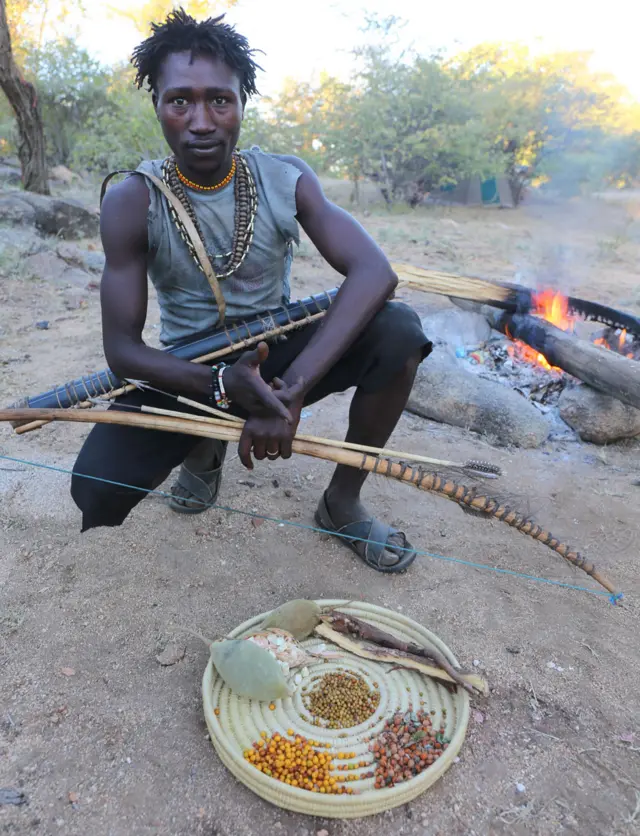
182, 33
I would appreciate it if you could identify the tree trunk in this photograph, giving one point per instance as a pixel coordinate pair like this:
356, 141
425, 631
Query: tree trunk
24, 102
603, 370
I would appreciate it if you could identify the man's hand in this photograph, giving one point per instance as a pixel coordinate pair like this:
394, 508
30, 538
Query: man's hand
272, 437
245, 386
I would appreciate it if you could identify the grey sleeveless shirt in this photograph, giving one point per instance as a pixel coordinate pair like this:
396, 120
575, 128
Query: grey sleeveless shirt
187, 304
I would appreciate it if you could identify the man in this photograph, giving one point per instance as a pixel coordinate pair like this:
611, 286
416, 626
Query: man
246, 208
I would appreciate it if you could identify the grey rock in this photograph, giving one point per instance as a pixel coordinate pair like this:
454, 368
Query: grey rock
457, 327
94, 261
16, 211
488, 312
91, 260
598, 418
447, 392
57, 216
45, 265
10, 176
8, 795
61, 174
50, 267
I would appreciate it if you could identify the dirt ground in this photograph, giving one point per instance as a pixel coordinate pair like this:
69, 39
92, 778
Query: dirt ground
104, 741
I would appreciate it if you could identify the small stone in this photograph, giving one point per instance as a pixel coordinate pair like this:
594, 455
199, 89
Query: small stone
478, 716
171, 655
322, 833
73, 797
476, 663
256, 522
67, 671
520, 788
200, 532
275, 483
288, 493
42, 325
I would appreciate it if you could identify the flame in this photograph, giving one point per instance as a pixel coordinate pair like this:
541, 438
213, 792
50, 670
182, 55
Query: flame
622, 344
554, 307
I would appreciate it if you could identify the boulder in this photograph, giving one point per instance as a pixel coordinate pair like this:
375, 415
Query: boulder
598, 418
57, 216
10, 176
61, 174
49, 266
447, 392
458, 328
45, 265
90, 260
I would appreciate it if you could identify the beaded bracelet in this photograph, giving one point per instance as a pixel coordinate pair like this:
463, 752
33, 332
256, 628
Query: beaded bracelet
219, 394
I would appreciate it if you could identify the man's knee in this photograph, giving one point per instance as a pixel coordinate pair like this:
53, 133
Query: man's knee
396, 333
101, 501
395, 318
87, 490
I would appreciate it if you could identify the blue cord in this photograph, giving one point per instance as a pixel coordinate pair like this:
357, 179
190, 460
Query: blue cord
613, 599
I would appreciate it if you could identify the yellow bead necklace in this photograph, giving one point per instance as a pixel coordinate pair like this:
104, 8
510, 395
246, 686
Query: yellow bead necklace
200, 188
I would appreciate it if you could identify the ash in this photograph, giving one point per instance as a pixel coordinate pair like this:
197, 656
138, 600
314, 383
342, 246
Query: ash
502, 360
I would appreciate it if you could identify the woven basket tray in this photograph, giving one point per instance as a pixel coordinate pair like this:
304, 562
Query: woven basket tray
240, 721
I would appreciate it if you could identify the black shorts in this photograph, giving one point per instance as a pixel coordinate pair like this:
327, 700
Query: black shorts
141, 457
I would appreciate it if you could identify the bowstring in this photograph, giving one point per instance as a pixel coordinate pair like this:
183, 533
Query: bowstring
613, 598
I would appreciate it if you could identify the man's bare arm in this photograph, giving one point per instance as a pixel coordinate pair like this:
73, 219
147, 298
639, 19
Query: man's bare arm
349, 249
123, 295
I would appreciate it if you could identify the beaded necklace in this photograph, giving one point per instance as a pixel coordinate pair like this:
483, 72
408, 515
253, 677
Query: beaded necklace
198, 188
246, 207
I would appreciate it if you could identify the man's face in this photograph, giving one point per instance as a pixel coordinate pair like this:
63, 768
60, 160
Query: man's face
200, 110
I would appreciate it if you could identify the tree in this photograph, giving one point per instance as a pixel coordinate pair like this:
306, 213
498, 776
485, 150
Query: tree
547, 117
24, 102
74, 90
144, 13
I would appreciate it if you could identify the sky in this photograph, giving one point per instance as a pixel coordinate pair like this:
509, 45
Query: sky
302, 39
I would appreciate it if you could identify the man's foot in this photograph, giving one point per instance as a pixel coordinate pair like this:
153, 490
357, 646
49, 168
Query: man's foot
379, 545
198, 483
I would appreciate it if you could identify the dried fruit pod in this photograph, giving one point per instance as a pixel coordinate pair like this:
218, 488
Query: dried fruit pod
299, 617
249, 670
281, 645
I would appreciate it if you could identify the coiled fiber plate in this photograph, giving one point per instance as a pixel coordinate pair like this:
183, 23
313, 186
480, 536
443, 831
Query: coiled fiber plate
240, 721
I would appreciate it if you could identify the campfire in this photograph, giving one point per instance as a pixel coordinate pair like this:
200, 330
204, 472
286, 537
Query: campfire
540, 353
553, 307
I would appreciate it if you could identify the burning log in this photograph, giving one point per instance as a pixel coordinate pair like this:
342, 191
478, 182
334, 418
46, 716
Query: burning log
603, 370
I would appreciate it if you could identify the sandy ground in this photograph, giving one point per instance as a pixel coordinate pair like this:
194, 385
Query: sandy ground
126, 737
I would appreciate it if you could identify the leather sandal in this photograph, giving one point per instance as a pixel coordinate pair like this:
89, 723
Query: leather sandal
379, 545
198, 484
